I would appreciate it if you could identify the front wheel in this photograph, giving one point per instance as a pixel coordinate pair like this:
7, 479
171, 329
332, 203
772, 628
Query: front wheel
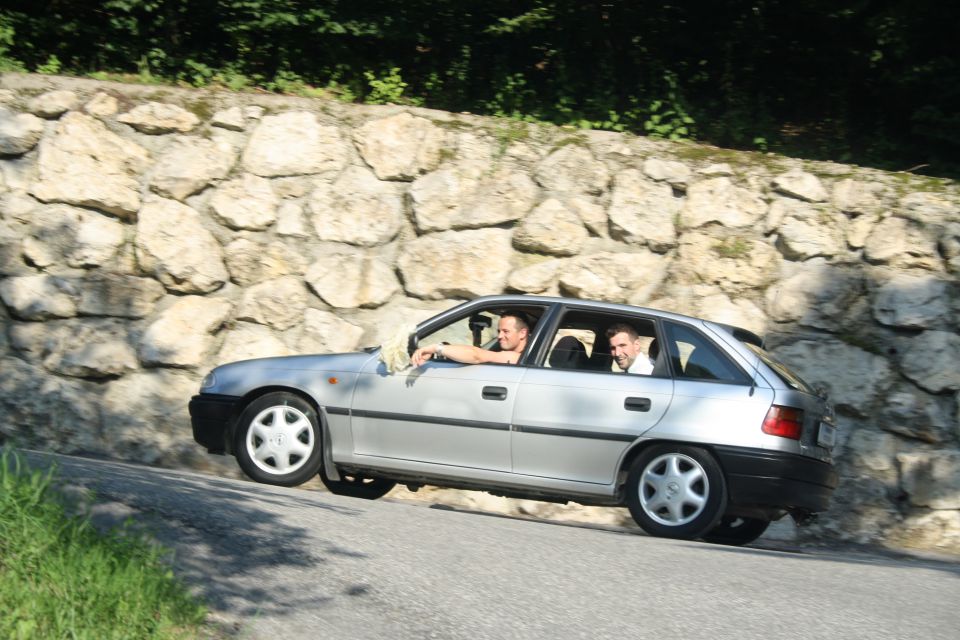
676, 491
735, 530
358, 486
278, 440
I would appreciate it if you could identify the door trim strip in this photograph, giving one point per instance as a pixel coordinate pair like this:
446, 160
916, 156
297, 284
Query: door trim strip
453, 422
575, 433
496, 426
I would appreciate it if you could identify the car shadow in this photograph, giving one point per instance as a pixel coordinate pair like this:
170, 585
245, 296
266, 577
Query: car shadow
846, 553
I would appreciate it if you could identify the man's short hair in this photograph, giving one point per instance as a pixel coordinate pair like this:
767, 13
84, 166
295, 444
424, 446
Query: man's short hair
519, 319
623, 327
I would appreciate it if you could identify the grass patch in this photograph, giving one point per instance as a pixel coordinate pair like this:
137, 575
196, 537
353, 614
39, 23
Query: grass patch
447, 155
579, 140
453, 125
702, 155
733, 248
61, 578
509, 133
905, 183
203, 109
127, 78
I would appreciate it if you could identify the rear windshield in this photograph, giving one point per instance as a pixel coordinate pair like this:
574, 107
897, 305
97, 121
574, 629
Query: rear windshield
786, 374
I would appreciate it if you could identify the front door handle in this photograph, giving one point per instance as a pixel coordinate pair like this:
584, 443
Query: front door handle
637, 404
494, 393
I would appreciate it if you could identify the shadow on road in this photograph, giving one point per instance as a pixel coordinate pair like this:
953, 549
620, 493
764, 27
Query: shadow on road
774, 550
224, 535
247, 562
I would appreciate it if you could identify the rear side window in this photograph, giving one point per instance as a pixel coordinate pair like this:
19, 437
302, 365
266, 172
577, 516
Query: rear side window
582, 343
695, 357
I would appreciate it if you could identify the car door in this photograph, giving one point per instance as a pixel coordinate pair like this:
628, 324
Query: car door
440, 413
445, 412
714, 400
576, 424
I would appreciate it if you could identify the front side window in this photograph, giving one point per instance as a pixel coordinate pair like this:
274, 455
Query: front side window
480, 328
695, 357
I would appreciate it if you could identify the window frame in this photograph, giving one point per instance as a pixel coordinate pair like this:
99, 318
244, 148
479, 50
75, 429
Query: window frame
457, 314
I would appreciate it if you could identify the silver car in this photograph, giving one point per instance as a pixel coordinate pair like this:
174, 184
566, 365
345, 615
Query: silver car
714, 442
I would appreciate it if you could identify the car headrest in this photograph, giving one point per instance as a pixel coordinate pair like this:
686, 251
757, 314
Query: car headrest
568, 353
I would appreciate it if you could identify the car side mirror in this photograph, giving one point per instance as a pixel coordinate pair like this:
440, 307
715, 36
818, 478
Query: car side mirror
477, 324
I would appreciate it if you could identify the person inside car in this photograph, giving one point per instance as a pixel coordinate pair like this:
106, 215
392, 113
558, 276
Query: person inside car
512, 334
626, 349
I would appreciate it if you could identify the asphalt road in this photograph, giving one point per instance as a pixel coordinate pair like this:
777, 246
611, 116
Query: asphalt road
287, 563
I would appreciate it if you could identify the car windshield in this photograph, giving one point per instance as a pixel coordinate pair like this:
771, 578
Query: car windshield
782, 370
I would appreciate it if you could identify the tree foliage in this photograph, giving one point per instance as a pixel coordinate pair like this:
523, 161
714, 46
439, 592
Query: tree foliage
866, 81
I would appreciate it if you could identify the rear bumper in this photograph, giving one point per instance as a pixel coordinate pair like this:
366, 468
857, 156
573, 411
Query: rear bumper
757, 477
211, 416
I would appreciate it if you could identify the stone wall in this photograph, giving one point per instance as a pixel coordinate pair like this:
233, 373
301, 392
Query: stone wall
148, 234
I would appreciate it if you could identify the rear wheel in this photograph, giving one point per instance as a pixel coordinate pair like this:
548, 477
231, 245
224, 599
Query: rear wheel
358, 486
735, 530
278, 440
676, 491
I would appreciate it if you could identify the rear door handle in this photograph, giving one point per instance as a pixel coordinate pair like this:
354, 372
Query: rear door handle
494, 393
637, 404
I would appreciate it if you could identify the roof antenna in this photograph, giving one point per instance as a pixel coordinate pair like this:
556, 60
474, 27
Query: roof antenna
756, 371
763, 345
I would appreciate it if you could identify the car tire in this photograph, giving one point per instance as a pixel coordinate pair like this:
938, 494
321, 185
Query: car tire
358, 486
736, 531
676, 491
278, 440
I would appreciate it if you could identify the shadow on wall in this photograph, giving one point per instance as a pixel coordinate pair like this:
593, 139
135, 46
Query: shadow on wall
75, 386
883, 344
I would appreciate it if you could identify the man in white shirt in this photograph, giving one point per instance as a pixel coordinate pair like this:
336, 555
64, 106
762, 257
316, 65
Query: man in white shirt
626, 349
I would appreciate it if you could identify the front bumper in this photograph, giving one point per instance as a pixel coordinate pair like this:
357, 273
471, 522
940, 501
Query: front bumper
212, 416
761, 478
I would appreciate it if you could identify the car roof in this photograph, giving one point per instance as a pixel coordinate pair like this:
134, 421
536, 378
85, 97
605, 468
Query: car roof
599, 305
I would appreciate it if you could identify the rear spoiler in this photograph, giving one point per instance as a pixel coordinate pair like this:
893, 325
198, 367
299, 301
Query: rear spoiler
744, 335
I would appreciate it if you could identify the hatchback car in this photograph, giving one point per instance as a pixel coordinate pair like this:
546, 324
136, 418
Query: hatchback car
716, 440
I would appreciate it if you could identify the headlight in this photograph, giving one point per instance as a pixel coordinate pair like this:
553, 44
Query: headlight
209, 380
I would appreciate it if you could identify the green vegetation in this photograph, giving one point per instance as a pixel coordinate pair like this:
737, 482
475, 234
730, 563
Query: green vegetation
387, 88
60, 578
512, 131
733, 248
908, 183
702, 154
203, 109
865, 83
866, 343
577, 139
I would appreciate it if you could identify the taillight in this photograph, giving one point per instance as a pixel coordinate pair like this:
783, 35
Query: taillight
785, 422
